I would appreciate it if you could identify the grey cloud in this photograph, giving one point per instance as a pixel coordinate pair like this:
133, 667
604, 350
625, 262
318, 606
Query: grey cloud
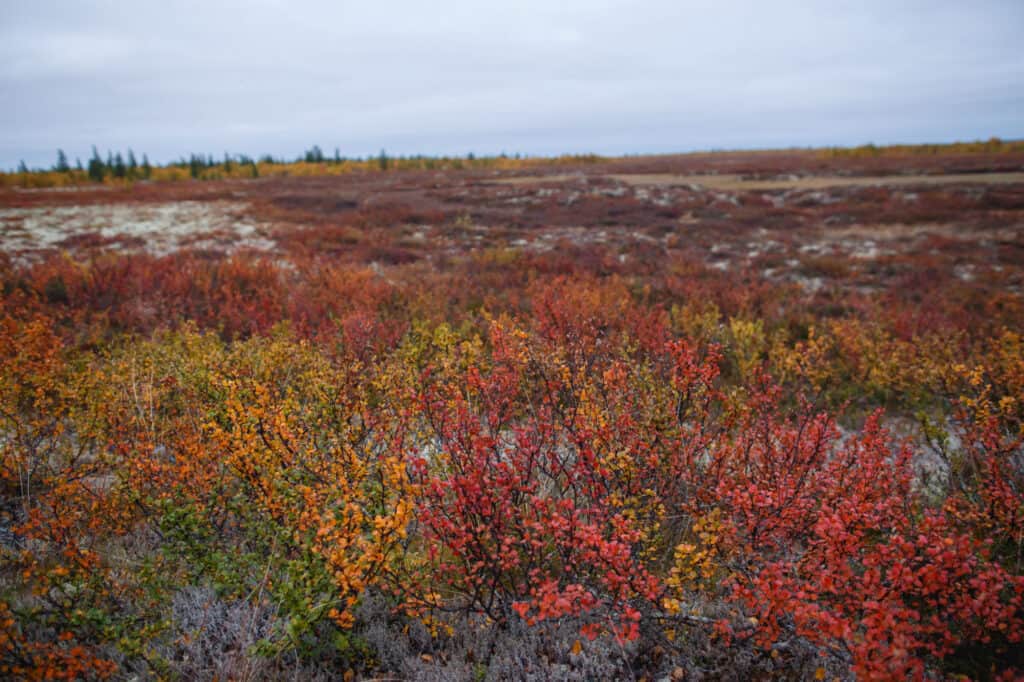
533, 76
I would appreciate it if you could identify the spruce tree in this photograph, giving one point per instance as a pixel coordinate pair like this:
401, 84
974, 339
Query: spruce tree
120, 170
96, 168
62, 162
314, 155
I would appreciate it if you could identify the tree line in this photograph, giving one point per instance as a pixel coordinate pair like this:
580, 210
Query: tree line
125, 165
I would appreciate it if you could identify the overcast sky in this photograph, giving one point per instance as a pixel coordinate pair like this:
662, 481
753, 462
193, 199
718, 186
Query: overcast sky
530, 76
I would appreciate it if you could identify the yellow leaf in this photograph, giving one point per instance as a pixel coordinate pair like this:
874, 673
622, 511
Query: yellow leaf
577, 647
819, 674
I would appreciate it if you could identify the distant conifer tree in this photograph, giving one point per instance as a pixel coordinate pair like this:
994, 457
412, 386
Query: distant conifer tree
62, 162
97, 169
314, 155
120, 169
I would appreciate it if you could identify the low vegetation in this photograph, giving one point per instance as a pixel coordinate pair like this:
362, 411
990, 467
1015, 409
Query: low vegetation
384, 447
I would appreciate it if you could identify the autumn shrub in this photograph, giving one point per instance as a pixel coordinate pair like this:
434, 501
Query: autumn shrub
824, 538
511, 464
55, 587
511, 496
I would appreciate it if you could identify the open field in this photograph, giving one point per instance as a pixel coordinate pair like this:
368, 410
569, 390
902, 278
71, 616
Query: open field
965, 224
736, 415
